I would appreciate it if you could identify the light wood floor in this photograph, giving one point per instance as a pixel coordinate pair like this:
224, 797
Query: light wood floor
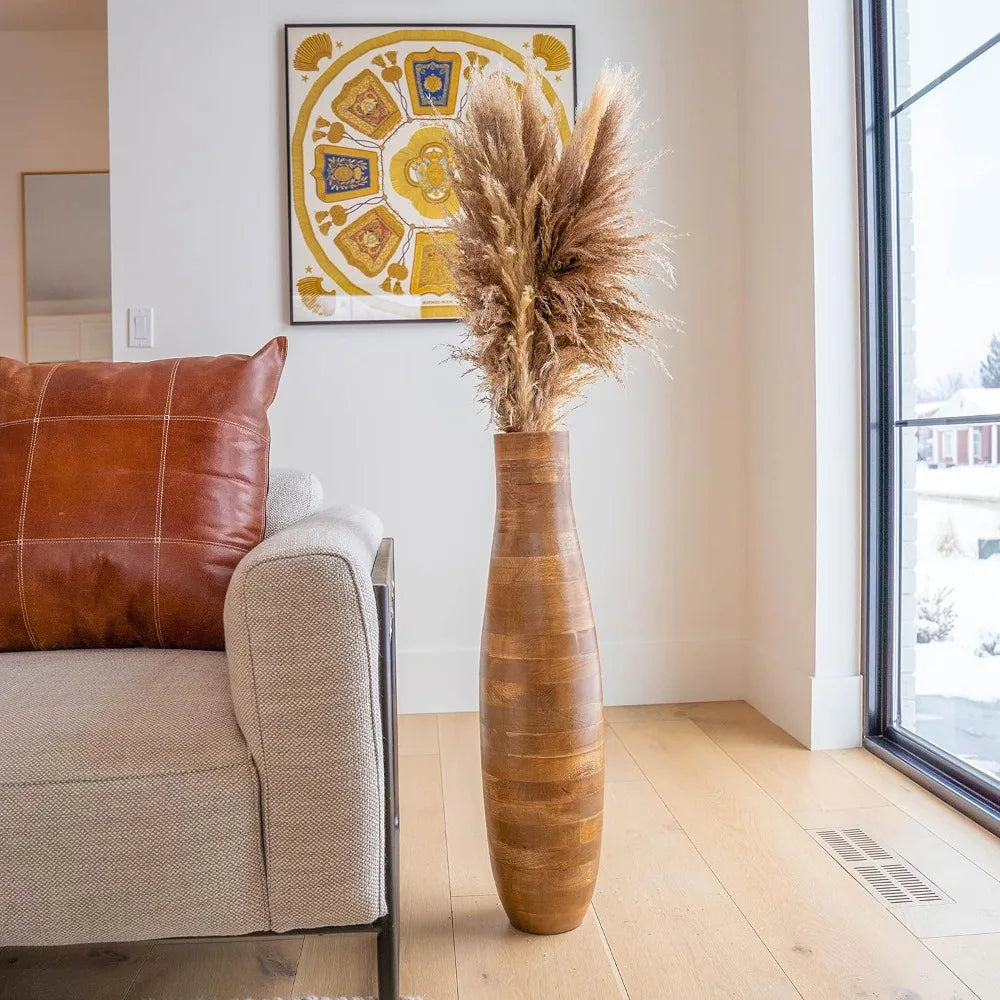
711, 886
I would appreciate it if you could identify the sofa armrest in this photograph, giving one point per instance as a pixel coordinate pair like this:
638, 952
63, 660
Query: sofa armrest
302, 640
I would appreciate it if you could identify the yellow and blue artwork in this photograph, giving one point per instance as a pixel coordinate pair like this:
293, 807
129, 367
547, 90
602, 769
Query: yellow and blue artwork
370, 176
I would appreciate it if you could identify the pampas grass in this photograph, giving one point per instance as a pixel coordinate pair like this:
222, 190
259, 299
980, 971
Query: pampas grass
549, 247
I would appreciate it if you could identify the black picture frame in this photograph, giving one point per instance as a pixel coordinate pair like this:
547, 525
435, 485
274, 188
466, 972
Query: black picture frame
471, 25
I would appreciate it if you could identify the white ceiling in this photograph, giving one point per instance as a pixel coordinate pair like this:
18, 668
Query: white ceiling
52, 15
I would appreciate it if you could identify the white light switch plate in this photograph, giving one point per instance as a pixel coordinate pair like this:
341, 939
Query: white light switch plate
140, 326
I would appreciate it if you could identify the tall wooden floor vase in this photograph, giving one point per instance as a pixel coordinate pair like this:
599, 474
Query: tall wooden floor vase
541, 711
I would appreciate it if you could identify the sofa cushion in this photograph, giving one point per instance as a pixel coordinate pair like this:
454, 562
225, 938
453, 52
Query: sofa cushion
129, 804
128, 493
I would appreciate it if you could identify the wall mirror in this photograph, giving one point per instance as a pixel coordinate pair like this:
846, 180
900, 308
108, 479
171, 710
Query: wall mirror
67, 266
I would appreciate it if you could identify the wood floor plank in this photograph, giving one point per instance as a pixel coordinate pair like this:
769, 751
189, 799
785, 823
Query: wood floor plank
831, 938
806, 784
93, 971
618, 762
717, 711
974, 959
335, 965
672, 928
615, 714
818, 791
972, 840
974, 906
496, 962
428, 943
468, 856
417, 735
694, 710
218, 970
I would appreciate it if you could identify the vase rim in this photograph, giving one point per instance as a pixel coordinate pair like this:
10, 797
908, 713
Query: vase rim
564, 432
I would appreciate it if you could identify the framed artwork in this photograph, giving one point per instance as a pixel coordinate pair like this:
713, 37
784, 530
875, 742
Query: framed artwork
369, 179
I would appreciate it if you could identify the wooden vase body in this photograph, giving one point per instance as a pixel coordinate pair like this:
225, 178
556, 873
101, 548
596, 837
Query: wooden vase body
541, 709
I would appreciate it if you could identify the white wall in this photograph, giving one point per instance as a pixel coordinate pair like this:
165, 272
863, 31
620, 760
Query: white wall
198, 190
836, 685
800, 285
53, 116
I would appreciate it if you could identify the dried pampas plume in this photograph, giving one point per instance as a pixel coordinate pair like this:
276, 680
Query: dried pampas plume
549, 246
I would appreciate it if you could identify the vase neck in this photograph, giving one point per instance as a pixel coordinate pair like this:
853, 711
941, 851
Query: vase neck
533, 478
532, 446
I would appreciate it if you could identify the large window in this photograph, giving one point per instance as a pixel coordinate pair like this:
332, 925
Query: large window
929, 92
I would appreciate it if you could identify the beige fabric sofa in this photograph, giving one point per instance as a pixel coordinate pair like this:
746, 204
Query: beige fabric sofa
165, 793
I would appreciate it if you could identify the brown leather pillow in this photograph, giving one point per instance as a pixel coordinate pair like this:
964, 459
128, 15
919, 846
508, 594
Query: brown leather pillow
128, 494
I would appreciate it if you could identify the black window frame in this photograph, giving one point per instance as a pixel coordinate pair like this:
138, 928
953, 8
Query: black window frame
965, 788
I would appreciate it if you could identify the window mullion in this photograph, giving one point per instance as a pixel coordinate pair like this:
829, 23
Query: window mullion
947, 74
962, 420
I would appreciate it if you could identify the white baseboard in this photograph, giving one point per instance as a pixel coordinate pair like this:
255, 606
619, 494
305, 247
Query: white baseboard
635, 673
780, 694
822, 713
837, 712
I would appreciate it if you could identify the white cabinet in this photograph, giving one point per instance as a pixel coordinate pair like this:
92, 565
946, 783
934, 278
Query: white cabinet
84, 337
